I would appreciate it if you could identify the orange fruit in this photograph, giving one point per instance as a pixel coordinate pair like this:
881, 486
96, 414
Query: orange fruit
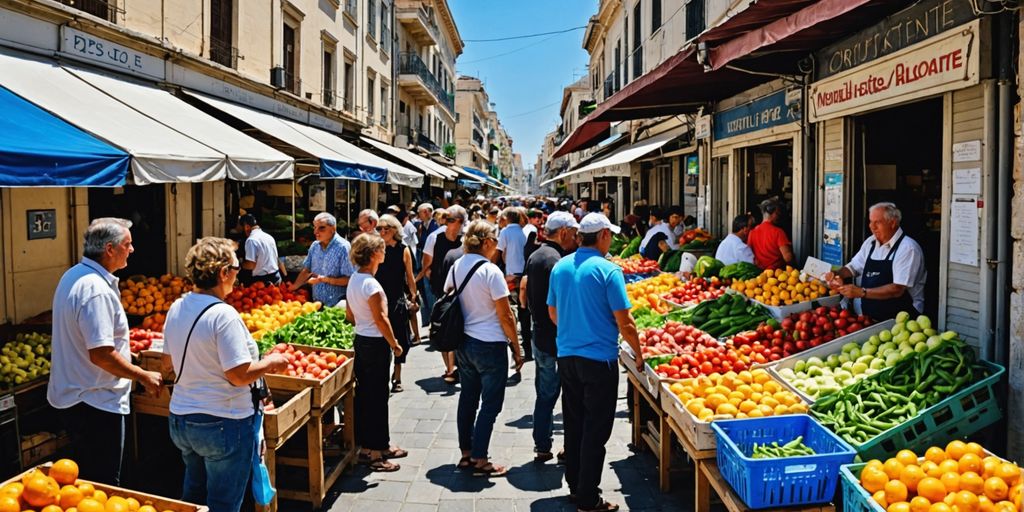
985, 504
879, 498
70, 496
989, 465
117, 504
90, 505
932, 489
64, 471
87, 489
920, 504
929, 466
12, 489
895, 492
949, 466
52, 508
100, 496
147, 508
893, 468
966, 502
935, 454
971, 462
996, 489
956, 449
972, 482
1009, 472
900, 506
133, 504
9, 504
940, 507
1006, 506
906, 457
873, 479
951, 481
976, 449
911, 475
40, 491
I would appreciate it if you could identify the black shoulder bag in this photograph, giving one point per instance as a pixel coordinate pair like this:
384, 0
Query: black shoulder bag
447, 326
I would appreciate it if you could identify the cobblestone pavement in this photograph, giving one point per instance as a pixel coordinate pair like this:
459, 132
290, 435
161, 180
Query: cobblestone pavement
423, 422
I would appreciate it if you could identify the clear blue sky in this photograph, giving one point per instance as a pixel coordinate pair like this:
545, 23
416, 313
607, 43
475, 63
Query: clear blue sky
526, 84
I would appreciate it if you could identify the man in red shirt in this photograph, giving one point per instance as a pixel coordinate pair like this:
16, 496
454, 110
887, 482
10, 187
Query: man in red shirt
771, 246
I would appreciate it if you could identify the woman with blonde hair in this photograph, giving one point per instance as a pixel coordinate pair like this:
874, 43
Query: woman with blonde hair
483, 358
367, 308
396, 277
215, 412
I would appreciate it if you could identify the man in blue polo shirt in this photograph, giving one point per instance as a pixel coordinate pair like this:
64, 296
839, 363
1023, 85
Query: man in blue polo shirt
587, 301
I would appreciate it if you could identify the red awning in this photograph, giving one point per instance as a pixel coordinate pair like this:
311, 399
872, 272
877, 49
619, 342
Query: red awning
585, 136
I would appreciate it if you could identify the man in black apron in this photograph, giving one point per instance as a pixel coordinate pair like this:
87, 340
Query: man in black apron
891, 266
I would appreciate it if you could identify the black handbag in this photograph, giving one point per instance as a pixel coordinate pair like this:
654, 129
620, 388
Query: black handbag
447, 326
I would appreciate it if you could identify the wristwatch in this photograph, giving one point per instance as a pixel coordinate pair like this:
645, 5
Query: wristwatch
865, 295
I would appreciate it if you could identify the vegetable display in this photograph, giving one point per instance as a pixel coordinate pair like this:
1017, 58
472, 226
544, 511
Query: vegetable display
724, 316
873, 405
782, 287
671, 260
247, 298
326, 328
744, 394
696, 239
794, 448
741, 271
646, 318
632, 248
637, 265
619, 242
707, 266
673, 339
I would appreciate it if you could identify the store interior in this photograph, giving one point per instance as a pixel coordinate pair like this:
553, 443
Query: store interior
146, 207
768, 172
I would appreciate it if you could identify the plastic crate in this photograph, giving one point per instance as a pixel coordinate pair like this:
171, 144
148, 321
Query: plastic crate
972, 409
791, 481
855, 497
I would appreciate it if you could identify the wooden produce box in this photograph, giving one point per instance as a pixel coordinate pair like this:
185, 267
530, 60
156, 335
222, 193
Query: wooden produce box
646, 378
158, 502
290, 413
325, 391
41, 446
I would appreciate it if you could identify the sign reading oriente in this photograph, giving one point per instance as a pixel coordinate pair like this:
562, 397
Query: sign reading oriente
764, 112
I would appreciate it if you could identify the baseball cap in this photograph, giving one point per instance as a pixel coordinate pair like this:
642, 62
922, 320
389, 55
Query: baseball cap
595, 222
559, 220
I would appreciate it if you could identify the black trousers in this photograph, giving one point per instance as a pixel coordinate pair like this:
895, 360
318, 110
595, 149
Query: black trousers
373, 387
97, 442
589, 393
526, 331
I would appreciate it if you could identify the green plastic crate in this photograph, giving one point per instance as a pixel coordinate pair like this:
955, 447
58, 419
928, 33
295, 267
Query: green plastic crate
956, 417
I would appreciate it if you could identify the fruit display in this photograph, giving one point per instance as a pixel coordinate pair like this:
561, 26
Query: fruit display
270, 317
871, 406
962, 477
817, 377
58, 489
647, 293
325, 328
673, 339
695, 291
142, 339
782, 287
696, 239
154, 322
724, 316
247, 298
308, 365
822, 325
636, 265
146, 295
763, 344
741, 271
794, 448
744, 394
24, 359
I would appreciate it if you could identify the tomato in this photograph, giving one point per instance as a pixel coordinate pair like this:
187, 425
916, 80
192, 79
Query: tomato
706, 368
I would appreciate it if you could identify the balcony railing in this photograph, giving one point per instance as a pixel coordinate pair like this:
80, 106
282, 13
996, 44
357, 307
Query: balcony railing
223, 53
346, 103
424, 142
412, 64
328, 97
610, 85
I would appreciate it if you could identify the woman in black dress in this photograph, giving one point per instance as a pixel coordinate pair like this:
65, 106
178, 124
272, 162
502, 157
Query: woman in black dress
396, 276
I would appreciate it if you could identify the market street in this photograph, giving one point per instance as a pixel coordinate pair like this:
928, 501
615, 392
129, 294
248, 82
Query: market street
423, 422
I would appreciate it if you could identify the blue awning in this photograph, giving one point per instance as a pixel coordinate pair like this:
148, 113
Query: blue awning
468, 184
38, 149
351, 171
490, 181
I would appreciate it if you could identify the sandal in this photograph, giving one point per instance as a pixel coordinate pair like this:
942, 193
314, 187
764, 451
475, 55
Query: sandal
450, 378
394, 453
363, 458
560, 457
382, 466
465, 462
542, 457
490, 470
396, 386
602, 506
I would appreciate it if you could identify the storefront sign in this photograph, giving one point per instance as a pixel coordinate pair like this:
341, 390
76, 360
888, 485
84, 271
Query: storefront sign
702, 128
83, 46
764, 112
832, 235
42, 224
901, 30
946, 62
964, 230
969, 151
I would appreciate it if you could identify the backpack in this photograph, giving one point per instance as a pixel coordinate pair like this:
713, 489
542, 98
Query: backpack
447, 325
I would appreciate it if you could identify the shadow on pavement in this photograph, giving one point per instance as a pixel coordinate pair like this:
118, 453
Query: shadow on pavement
556, 504
456, 480
526, 423
535, 477
437, 386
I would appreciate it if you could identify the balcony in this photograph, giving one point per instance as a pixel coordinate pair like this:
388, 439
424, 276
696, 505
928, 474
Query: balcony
418, 139
328, 97
421, 84
419, 24
611, 85
223, 53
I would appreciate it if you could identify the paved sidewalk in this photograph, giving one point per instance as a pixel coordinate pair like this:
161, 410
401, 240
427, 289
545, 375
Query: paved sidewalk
423, 422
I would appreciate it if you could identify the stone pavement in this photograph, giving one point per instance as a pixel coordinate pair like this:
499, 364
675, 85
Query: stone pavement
423, 422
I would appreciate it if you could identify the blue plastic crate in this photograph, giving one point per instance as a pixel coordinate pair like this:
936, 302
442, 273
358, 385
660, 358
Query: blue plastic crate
766, 483
855, 497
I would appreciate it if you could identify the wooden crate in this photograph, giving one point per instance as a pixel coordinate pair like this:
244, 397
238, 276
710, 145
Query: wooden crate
290, 413
158, 502
154, 361
326, 391
697, 433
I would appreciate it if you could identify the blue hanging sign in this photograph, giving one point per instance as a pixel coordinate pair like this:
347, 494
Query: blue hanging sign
762, 113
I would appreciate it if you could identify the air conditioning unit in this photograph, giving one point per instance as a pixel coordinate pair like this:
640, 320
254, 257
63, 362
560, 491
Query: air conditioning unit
277, 77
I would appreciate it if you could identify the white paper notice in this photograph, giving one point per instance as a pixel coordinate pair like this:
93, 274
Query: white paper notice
964, 230
967, 181
817, 268
969, 151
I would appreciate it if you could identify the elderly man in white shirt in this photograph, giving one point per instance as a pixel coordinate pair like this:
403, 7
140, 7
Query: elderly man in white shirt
890, 265
734, 248
260, 253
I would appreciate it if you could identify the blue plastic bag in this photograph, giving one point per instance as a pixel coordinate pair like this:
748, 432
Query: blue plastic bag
262, 491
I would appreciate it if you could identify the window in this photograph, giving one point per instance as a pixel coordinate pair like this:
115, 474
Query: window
349, 85
618, 59
98, 8
291, 52
221, 33
371, 18
655, 15
328, 78
638, 54
371, 96
385, 102
694, 18
385, 26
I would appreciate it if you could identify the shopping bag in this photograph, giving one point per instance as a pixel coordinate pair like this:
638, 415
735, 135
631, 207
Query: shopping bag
262, 491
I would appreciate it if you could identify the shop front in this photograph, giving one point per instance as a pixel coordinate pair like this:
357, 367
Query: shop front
910, 123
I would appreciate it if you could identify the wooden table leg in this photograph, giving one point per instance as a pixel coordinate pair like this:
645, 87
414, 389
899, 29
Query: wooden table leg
349, 425
638, 441
314, 440
702, 492
270, 459
665, 458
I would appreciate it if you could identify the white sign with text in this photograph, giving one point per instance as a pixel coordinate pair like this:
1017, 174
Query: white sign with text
96, 50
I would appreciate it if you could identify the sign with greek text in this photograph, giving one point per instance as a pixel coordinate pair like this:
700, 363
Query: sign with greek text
84, 46
946, 62
764, 112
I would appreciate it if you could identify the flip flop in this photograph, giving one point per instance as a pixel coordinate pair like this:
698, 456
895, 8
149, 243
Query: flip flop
602, 506
465, 463
394, 453
490, 471
383, 466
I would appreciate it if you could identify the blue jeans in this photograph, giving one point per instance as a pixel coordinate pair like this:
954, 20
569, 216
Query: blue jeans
428, 299
483, 372
218, 454
548, 386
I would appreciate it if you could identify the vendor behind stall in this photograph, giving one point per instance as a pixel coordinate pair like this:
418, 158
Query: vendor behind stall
260, 254
890, 265
771, 246
661, 237
733, 248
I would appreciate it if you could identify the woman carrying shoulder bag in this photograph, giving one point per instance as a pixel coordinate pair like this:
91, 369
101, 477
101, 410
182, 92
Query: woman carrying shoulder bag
215, 414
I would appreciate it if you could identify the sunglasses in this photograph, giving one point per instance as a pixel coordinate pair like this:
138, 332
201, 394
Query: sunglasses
236, 268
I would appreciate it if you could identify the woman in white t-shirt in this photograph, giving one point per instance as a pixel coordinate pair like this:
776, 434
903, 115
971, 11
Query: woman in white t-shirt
367, 308
214, 418
483, 357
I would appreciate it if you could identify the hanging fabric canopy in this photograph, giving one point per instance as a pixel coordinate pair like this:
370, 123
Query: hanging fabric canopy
428, 166
38, 149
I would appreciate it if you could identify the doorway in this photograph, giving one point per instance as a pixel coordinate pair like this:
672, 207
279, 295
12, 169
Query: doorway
768, 173
899, 159
146, 207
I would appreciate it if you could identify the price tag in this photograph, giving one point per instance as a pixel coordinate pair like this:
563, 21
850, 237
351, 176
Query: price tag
6, 402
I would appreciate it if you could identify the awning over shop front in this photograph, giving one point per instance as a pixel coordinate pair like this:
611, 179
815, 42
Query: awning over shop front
625, 154
488, 180
395, 174
159, 153
38, 149
416, 161
466, 175
247, 158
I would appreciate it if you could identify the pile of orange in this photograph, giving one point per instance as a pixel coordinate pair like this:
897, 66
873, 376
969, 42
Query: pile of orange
959, 478
781, 287
152, 295
60, 490
747, 394
647, 292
